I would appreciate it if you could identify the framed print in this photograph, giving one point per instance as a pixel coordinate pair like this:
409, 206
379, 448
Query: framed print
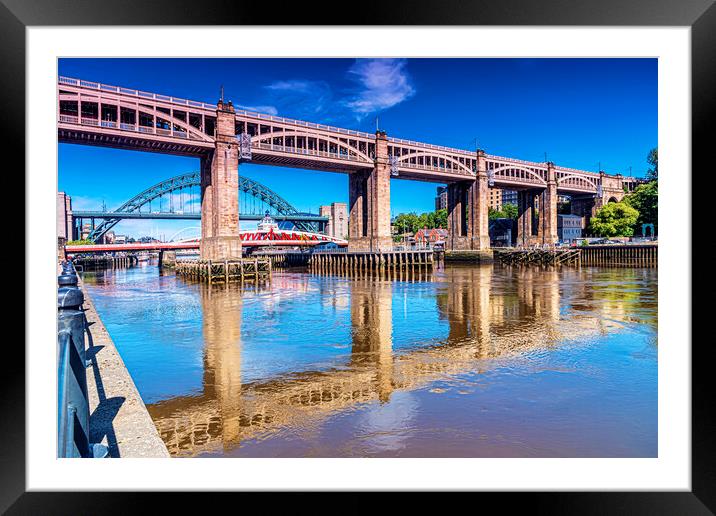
422, 254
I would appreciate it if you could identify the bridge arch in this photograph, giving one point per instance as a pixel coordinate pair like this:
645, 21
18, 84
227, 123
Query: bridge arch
434, 155
361, 156
578, 181
191, 179
525, 170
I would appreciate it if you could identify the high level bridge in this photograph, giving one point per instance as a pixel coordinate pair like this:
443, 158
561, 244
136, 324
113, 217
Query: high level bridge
222, 136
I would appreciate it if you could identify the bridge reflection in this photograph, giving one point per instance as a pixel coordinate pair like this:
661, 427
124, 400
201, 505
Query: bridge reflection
487, 317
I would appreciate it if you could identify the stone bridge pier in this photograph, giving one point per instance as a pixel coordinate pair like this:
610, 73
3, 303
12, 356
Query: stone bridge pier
220, 238
369, 202
467, 211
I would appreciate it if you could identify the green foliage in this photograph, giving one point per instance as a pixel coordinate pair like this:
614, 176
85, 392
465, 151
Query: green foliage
412, 222
645, 199
653, 159
508, 211
435, 219
85, 241
614, 219
406, 223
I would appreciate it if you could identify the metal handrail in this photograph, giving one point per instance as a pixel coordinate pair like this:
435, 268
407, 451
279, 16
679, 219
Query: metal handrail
73, 415
65, 430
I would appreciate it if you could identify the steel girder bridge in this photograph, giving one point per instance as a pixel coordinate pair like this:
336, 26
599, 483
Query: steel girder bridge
179, 198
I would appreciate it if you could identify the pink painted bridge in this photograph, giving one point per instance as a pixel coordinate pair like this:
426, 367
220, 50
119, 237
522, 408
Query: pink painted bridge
221, 137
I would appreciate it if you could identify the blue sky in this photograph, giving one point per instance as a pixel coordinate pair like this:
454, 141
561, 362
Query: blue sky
581, 112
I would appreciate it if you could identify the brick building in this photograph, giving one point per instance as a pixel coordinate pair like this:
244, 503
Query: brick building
337, 214
431, 236
64, 216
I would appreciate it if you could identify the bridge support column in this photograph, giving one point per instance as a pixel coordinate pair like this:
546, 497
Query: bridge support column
220, 238
525, 215
584, 206
369, 203
548, 209
456, 215
468, 218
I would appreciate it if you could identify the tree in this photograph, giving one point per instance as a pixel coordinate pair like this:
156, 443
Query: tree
653, 159
441, 219
508, 211
412, 222
406, 223
645, 199
614, 219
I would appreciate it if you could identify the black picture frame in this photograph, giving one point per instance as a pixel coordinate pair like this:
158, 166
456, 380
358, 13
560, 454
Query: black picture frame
700, 15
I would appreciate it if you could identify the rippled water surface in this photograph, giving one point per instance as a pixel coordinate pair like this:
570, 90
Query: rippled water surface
463, 362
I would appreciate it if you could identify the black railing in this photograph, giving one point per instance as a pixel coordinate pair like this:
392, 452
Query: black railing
73, 416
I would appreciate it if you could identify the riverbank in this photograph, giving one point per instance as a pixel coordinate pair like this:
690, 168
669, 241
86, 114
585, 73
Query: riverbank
118, 416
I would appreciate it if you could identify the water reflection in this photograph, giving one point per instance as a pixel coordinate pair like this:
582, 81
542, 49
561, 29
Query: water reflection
372, 335
221, 311
369, 345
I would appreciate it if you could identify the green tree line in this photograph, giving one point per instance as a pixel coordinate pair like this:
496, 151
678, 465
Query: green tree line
412, 222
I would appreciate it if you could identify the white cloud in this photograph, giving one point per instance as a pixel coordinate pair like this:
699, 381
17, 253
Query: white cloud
371, 85
269, 110
384, 83
303, 98
293, 85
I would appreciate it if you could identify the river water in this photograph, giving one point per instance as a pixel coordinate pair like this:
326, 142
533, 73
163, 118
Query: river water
482, 361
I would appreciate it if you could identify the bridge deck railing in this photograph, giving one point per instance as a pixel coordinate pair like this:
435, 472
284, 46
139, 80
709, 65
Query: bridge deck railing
69, 81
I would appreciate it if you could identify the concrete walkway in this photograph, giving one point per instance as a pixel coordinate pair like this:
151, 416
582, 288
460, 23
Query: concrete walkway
118, 416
